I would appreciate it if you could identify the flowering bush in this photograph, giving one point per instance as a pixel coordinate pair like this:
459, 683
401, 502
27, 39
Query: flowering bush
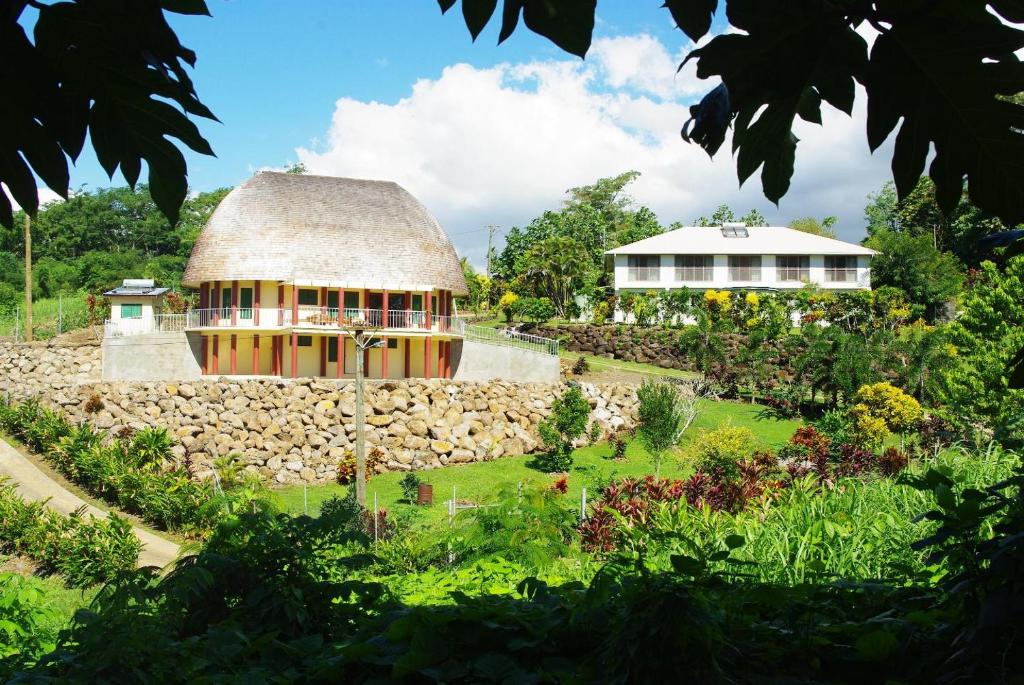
899, 411
507, 304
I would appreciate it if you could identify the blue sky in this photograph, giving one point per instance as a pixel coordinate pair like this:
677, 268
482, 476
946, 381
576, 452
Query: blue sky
480, 133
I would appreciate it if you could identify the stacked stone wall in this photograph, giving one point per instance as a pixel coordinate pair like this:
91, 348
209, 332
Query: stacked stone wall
294, 431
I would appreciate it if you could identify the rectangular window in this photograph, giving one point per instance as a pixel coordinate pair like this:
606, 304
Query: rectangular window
745, 268
841, 269
392, 343
351, 299
332, 299
417, 302
225, 301
332, 349
309, 296
304, 340
695, 267
245, 303
792, 268
131, 311
644, 268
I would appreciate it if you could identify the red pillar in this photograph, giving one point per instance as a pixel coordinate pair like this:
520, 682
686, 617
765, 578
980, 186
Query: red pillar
384, 358
323, 355
341, 306
323, 306
427, 308
405, 365
215, 363
256, 303
205, 352
204, 295
340, 356
426, 357
275, 355
384, 316
440, 358
234, 303
256, 354
234, 355
295, 354
280, 305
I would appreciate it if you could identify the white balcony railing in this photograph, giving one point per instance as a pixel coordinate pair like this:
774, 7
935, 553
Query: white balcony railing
158, 323
504, 337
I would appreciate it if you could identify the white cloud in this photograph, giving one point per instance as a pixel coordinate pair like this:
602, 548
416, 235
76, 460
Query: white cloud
45, 195
499, 145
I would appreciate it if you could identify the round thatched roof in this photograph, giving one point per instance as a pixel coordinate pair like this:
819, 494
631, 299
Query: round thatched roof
325, 231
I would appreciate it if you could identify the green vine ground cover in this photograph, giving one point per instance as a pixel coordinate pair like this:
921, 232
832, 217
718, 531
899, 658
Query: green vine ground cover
593, 464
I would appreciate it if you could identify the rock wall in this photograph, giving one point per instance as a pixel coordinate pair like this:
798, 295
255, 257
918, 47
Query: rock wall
294, 431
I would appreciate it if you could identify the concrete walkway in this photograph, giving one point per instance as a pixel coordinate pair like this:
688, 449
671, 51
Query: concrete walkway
33, 484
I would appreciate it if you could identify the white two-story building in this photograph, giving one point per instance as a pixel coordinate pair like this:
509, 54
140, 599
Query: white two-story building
739, 257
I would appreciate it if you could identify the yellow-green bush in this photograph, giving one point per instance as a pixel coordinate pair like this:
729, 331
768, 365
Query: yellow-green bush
899, 411
721, 447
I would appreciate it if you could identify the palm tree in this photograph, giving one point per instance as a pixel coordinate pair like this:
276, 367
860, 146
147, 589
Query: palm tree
555, 267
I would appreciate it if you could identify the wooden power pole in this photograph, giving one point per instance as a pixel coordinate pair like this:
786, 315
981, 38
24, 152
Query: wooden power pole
28, 278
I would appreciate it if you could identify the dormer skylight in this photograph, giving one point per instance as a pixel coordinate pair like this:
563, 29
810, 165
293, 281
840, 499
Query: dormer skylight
730, 230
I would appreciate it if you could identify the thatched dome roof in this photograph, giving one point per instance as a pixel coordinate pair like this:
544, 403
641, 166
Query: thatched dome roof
325, 231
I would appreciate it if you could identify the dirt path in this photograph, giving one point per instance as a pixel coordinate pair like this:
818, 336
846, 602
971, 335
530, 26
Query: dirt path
33, 484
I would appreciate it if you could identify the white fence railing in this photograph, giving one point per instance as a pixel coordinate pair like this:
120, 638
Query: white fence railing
505, 337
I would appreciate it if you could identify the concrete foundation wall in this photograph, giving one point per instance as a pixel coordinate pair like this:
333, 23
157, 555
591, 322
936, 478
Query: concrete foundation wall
152, 357
475, 361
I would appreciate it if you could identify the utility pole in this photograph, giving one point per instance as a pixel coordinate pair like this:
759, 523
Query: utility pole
491, 228
362, 343
28, 278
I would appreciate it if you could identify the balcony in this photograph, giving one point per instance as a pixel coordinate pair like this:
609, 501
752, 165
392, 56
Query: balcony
310, 318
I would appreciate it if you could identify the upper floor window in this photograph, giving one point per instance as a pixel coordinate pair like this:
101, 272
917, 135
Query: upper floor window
745, 268
308, 296
840, 269
792, 268
131, 311
695, 267
644, 267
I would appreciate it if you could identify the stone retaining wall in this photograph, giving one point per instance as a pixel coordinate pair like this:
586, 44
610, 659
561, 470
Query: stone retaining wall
294, 431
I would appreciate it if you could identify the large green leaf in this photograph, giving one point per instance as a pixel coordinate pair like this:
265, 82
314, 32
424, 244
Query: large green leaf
569, 24
940, 72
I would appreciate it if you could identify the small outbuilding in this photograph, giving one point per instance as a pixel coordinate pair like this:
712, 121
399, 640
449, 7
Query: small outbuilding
135, 306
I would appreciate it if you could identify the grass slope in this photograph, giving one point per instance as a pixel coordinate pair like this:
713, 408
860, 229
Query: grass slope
593, 465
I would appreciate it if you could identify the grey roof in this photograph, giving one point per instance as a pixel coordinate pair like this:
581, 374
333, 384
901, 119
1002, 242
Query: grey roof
128, 291
325, 231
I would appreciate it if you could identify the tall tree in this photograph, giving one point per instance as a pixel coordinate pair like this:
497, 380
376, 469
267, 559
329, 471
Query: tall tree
556, 267
929, 277
809, 224
724, 214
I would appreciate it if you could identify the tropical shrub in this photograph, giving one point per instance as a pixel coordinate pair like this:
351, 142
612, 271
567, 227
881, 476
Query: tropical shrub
537, 309
565, 424
602, 310
900, 412
720, 449
410, 485
84, 551
660, 420
508, 304
134, 472
347, 465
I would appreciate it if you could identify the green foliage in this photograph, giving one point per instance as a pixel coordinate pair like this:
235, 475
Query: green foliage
986, 336
900, 412
24, 618
720, 449
537, 309
555, 268
410, 484
660, 419
808, 224
566, 423
911, 263
121, 88
134, 473
84, 551
724, 214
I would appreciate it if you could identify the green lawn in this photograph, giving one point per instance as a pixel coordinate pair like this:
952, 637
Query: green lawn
478, 482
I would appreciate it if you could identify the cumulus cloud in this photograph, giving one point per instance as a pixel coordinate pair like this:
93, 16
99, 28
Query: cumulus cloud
499, 145
45, 195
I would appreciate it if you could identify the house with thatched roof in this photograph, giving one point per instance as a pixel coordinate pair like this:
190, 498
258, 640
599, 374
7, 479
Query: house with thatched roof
289, 265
